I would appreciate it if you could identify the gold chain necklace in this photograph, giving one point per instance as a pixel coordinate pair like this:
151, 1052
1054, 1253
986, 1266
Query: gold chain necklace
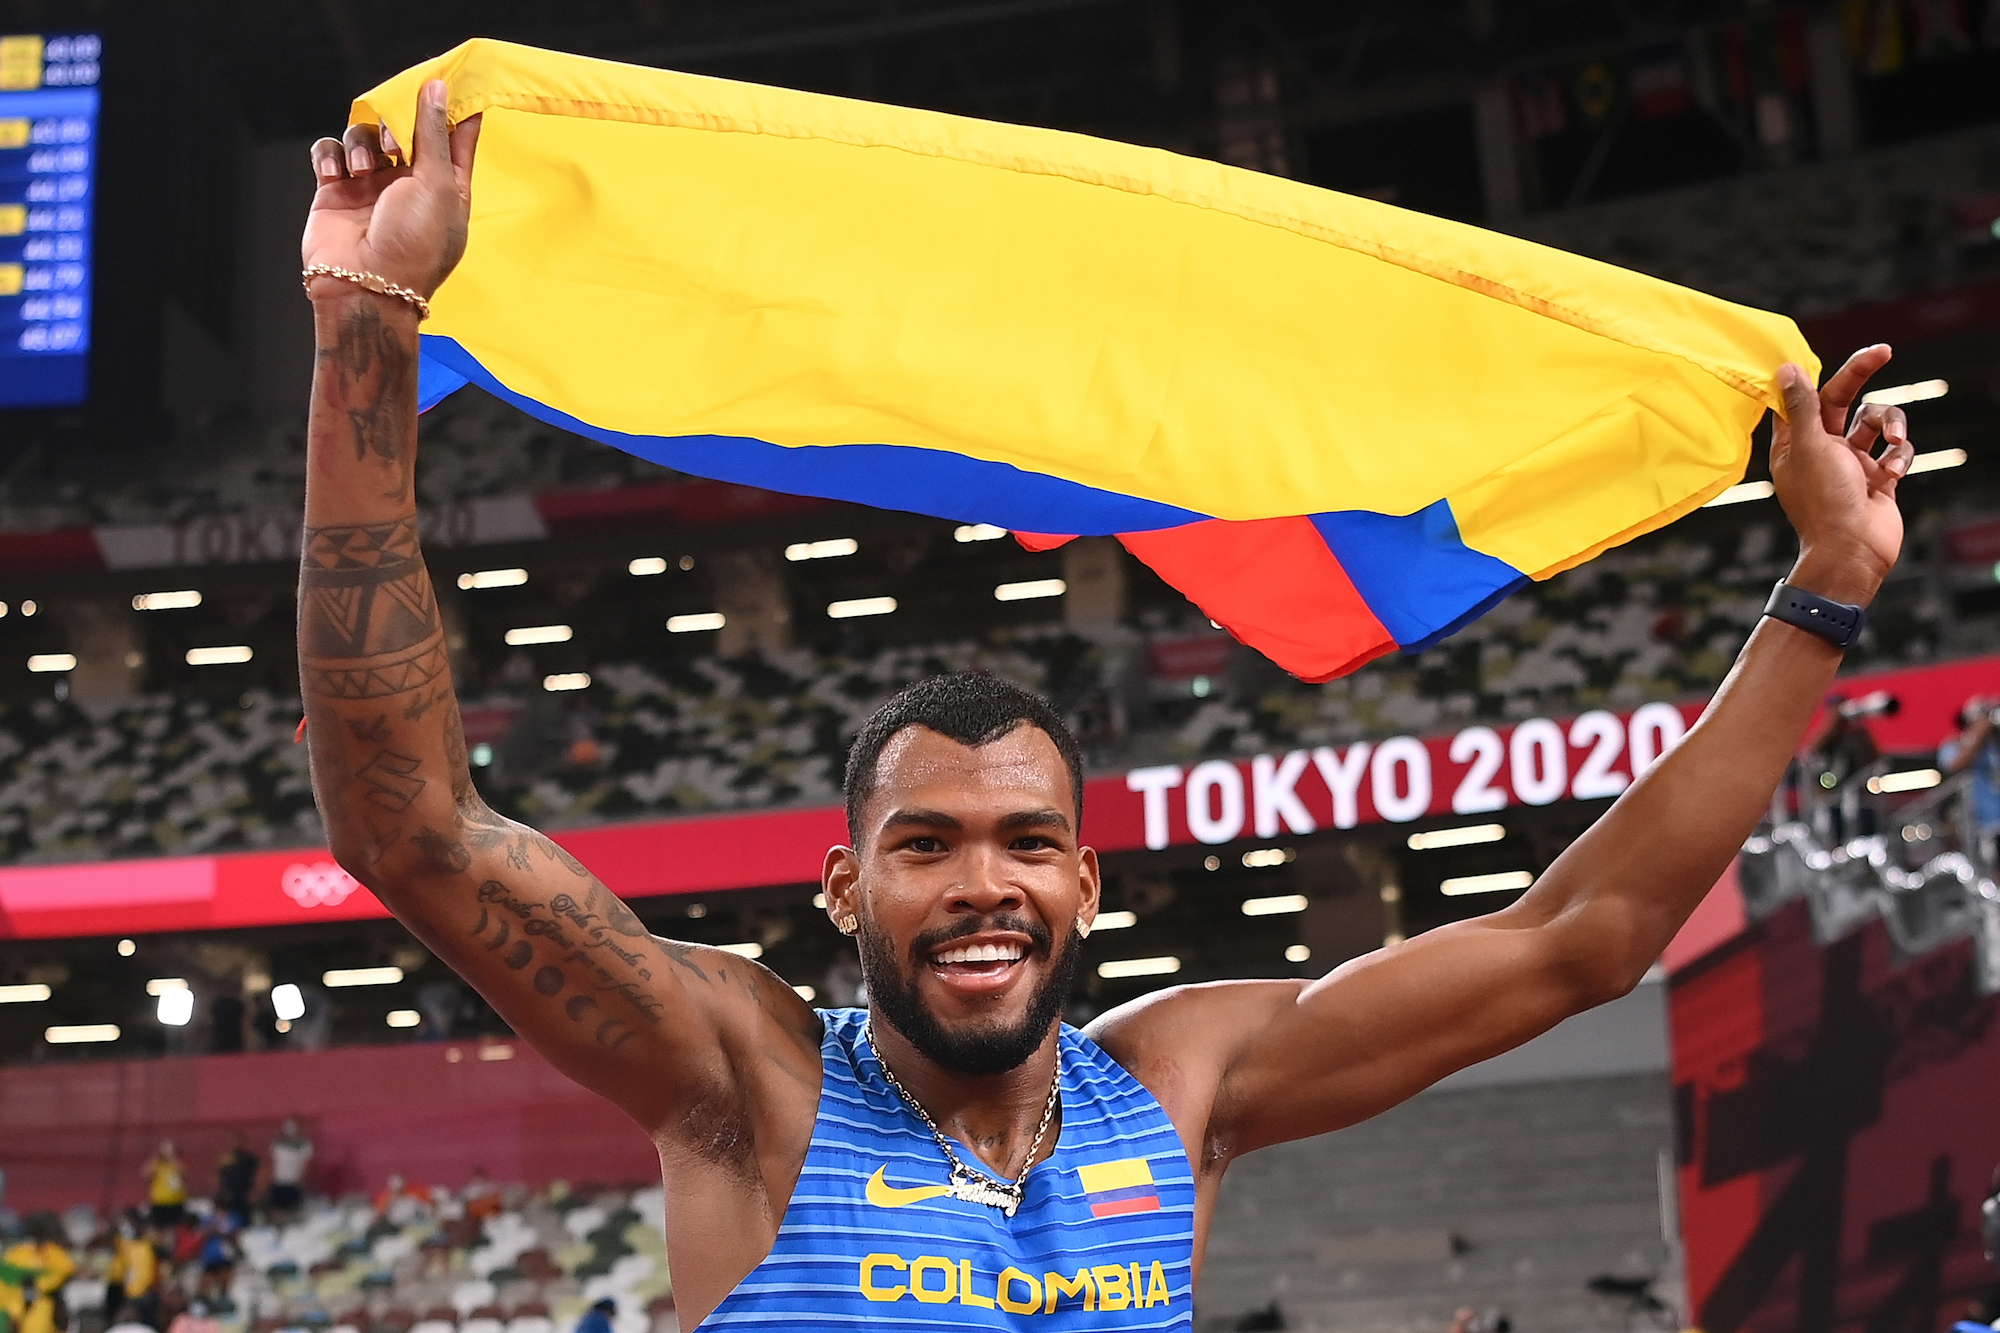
969, 1183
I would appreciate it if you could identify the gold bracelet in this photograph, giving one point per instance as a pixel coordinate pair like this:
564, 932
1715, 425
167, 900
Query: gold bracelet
370, 282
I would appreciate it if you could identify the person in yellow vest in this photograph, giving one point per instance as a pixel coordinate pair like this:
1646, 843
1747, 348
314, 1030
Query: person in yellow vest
43, 1254
134, 1276
166, 1185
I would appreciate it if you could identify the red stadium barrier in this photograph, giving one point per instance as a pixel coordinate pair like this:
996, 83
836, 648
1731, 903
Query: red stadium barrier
77, 1133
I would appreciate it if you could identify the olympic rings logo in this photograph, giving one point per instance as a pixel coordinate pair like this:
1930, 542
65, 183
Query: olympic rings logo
320, 884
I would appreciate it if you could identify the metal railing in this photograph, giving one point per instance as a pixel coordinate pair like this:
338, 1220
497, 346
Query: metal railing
1917, 863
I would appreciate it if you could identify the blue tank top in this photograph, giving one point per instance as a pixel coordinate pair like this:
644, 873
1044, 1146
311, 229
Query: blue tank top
1103, 1240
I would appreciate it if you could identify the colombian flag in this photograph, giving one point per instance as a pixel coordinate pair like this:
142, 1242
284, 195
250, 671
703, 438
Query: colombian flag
1115, 1188
1340, 428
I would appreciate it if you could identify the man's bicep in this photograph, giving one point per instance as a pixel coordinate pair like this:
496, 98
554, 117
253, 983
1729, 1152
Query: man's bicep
1383, 1027
571, 969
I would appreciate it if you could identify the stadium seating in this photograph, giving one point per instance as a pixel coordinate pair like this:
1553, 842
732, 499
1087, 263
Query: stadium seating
532, 1267
1659, 619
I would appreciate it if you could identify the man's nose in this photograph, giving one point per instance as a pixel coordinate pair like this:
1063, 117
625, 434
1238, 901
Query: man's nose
984, 886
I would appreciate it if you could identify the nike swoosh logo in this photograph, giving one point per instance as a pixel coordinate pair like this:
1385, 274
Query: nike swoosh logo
884, 1195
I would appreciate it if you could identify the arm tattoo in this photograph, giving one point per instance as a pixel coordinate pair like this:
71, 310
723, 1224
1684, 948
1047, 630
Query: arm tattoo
368, 619
372, 373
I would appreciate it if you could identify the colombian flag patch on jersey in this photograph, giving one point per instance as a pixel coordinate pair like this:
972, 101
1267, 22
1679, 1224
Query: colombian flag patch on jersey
1115, 1188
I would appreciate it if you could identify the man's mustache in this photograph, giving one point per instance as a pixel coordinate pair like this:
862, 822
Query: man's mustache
1040, 936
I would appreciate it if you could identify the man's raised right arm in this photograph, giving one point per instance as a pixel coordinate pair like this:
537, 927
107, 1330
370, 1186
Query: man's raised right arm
656, 1026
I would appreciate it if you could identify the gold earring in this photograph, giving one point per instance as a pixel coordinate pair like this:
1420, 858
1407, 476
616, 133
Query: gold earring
847, 925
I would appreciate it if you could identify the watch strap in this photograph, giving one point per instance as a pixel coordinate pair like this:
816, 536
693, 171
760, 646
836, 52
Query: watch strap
1837, 622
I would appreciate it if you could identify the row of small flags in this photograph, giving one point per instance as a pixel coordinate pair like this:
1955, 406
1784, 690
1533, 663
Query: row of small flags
1729, 65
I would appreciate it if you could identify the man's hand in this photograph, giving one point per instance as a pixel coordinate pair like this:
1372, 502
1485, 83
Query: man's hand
1840, 498
406, 223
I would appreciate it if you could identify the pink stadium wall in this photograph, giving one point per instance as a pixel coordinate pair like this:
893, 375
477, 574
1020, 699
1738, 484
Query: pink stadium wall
77, 1133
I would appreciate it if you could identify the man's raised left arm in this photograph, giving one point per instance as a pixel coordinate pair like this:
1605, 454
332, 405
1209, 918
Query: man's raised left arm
1288, 1059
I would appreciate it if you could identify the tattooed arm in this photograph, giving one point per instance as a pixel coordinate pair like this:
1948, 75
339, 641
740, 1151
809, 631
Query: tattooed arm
686, 1040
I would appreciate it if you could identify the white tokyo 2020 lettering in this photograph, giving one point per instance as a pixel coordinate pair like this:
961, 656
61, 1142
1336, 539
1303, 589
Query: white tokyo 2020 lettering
1539, 761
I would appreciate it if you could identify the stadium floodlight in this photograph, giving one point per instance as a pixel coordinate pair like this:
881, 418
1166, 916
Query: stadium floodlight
1259, 857
749, 949
1277, 905
647, 564
1502, 882
1912, 779
860, 606
1114, 921
1298, 953
166, 601
806, 993
224, 655
1465, 835
403, 1018
28, 608
566, 680
176, 1007
1937, 460
288, 1002
161, 985
362, 976
127, 947
695, 622
1743, 490
527, 634
824, 550
52, 662
33, 993
1898, 394
493, 578
1139, 967
1029, 590
977, 532
71, 1033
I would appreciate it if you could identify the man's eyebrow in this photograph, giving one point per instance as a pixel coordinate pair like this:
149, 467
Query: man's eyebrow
1036, 819
921, 819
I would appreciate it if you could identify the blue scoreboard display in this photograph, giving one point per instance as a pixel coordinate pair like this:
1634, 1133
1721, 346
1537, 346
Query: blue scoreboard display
48, 160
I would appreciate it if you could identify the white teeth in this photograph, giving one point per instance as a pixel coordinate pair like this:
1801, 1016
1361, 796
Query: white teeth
981, 953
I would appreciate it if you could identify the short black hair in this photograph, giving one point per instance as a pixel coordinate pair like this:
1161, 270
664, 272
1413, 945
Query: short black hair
969, 707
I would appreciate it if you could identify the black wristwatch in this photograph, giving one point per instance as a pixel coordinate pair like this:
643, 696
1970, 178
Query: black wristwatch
1836, 622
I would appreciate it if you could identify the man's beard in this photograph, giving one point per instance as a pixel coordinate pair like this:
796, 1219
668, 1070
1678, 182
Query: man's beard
978, 1048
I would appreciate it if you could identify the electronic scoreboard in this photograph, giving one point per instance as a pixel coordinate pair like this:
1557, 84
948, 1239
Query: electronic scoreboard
48, 159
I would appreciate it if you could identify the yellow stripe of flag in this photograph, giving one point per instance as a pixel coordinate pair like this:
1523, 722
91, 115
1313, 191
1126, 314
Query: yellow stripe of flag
1102, 1176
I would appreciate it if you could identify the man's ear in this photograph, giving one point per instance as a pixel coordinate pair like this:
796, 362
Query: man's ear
840, 883
1090, 880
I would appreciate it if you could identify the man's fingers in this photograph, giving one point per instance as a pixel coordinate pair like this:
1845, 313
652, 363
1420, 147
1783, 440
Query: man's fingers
433, 146
364, 150
329, 161
1844, 385
1801, 401
1877, 421
464, 144
1895, 461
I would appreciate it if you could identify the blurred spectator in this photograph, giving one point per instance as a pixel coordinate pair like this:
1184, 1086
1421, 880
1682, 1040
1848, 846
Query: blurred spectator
128, 1321
166, 1185
132, 1288
39, 1265
482, 1196
1989, 1223
236, 1181
291, 1154
195, 1319
597, 1319
218, 1256
226, 1017
1843, 749
401, 1203
1976, 749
